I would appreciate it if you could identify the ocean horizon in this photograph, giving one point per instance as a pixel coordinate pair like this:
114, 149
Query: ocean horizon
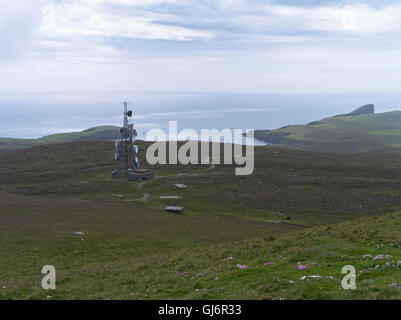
34, 115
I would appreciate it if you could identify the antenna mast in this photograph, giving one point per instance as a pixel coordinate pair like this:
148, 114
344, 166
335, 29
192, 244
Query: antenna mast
126, 151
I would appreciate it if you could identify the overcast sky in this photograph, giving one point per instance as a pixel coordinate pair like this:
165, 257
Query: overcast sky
300, 46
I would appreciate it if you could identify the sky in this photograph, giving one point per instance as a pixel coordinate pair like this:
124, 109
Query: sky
300, 46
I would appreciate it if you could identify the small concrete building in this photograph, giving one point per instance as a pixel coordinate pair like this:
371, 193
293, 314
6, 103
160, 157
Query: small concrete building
176, 210
139, 175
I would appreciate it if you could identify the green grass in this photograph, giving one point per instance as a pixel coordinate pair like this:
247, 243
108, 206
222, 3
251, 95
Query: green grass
132, 249
206, 272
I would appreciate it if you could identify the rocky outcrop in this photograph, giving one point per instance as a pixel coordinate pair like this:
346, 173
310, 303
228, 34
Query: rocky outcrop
366, 109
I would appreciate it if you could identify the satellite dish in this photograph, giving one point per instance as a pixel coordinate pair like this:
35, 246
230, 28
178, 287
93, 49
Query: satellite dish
135, 149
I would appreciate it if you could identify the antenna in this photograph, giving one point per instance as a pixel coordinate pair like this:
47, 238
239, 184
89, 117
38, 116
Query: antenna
126, 152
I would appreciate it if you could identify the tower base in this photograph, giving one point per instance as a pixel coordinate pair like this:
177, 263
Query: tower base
115, 173
139, 175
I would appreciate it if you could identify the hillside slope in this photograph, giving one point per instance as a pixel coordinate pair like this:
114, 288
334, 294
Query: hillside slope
311, 188
102, 133
259, 268
354, 132
132, 249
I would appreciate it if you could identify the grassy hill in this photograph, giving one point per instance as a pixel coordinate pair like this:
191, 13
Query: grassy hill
354, 132
102, 133
138, 254
132, 249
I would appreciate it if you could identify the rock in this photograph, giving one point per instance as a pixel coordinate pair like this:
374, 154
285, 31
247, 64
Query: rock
281, 215
181, 186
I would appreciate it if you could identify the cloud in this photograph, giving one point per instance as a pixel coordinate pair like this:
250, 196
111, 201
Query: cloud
358, 18
91, 18
18, 23
170, 45
206, 20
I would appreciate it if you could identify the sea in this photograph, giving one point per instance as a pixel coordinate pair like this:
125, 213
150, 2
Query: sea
33, 115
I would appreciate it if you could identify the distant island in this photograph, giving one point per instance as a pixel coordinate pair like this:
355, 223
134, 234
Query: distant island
361, 130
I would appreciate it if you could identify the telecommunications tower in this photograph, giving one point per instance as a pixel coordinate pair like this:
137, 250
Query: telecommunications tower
126, 152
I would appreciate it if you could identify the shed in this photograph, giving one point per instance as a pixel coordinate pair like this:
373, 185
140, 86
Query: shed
176, 210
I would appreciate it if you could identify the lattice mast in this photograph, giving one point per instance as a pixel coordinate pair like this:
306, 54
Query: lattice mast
125, 150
